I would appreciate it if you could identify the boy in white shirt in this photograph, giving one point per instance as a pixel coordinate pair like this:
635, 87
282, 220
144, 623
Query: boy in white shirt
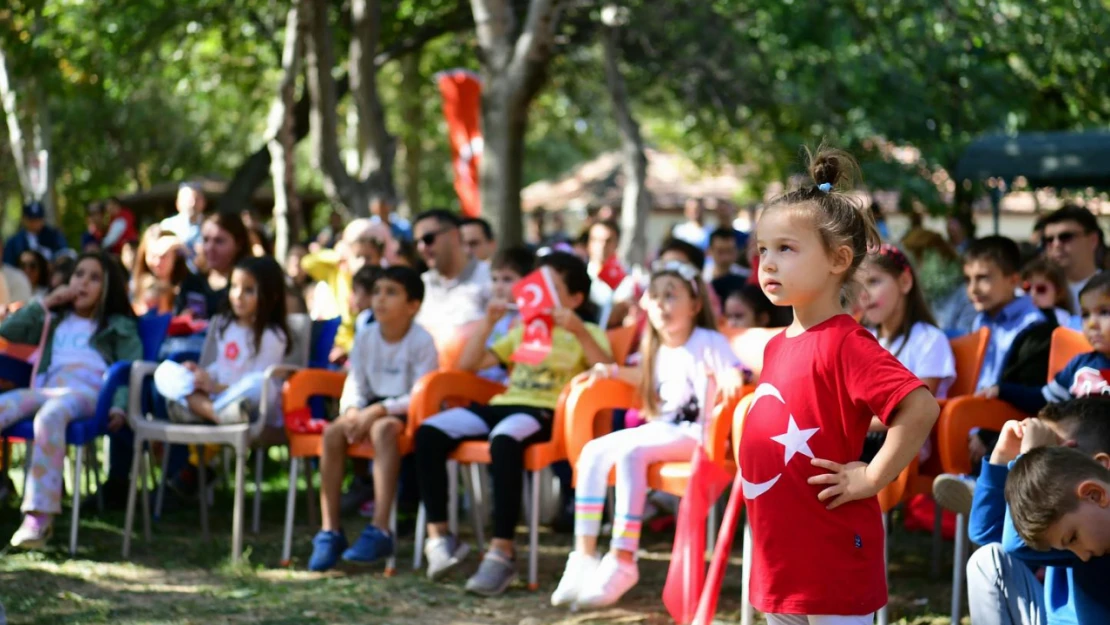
387, 359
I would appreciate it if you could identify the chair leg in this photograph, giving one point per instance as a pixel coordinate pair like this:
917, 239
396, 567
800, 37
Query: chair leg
202, 495
534, 534
747, 613
959, 563
290, 512
310, 490
129, 516
147, 461
391, 563
711, 530
938, 539
256, 520
475, 506
78, 457
160, 497
237, 509
884, 613
453, 497
418, 539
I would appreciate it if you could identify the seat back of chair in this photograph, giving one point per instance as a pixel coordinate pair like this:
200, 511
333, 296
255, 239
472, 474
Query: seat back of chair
620, 342
324, 332
153, 329
300, 330
969, 351
748, 345
738, 417
450, 342
1066, 344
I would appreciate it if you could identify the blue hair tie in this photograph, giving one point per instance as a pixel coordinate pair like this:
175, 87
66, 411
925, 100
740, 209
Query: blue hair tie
824, 187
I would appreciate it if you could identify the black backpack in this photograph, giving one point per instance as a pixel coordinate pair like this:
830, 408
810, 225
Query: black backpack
1027, 361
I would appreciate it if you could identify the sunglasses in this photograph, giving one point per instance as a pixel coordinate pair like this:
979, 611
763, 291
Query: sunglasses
1035, 289
1064, 238
29, 265
430, 238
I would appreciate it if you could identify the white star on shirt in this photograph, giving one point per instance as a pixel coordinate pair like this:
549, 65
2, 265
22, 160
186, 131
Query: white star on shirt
795, 440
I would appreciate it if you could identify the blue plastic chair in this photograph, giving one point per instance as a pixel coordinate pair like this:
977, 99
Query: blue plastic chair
82, 432
324, 332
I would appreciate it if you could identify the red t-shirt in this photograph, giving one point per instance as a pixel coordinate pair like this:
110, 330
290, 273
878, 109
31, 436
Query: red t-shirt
817, 394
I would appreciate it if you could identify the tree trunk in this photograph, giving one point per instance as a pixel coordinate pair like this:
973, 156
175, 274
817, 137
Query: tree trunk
513, 70
9, 99
288, 223
636, 200
412, 114
376, 176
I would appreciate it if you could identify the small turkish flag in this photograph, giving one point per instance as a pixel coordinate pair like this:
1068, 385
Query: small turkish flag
535, 294
611, 272
535, 340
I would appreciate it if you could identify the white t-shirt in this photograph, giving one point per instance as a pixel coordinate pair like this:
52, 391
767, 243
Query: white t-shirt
386, 372
236, 357
679, 376
927, 354
70, 347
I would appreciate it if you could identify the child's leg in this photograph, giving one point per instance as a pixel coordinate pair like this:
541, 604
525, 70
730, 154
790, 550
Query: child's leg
387, 466
44, 485
436, 438
19, 404
597, 459
1003, 590
647, 444
201, 405
332, 459
508, 440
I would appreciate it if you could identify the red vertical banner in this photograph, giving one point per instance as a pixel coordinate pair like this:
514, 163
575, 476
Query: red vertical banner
462, 104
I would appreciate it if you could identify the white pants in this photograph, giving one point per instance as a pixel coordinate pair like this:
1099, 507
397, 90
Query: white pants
631, 451
826, 619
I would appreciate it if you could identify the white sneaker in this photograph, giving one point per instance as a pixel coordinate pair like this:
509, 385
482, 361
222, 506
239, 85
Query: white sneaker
580, 567
609, 582
954, 492
444, 554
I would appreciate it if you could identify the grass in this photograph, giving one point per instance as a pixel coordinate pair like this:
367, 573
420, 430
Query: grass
179, 578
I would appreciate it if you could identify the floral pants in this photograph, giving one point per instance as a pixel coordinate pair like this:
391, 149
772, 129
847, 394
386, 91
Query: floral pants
65, 395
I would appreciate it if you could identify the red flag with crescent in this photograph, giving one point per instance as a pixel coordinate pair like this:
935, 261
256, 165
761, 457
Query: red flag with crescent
461, 91
535, 299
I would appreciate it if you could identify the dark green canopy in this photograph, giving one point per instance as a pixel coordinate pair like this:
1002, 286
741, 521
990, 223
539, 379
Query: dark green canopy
1049, 159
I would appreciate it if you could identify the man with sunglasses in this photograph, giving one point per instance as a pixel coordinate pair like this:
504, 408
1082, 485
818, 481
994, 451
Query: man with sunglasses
456, 286
1072, 239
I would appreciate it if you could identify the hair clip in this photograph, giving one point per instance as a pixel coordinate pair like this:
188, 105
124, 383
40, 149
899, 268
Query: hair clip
686, 271
824, 187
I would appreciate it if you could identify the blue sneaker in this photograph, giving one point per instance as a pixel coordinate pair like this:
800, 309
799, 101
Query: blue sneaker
326, 547
372, 545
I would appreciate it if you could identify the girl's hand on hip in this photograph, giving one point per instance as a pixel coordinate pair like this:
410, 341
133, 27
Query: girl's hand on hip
847, 482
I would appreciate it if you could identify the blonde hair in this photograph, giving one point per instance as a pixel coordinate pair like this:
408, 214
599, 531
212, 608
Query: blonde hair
649, 344
840, 218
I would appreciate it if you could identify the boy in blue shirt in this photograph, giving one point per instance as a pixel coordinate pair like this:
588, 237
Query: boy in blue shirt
1003, 586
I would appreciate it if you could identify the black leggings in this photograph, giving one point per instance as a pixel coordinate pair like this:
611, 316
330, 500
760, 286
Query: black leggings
509, 429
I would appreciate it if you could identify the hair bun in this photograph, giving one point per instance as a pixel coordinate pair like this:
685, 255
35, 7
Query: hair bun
834, 167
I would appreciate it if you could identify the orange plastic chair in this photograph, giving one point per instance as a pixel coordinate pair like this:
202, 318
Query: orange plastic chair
620, 342
1066, 345
969, 351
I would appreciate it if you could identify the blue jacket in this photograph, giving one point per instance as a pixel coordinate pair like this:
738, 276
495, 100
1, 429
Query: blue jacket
49, 238
1075, 592
1081, 376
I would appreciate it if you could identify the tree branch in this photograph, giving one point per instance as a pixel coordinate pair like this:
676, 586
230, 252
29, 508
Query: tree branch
319, 59
533, 44
493, 22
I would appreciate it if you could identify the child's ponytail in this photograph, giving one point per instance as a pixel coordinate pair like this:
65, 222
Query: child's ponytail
840, 218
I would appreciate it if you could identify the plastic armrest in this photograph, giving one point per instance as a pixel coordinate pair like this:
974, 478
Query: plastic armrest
437, 387
140, 371
117, 376
583, 404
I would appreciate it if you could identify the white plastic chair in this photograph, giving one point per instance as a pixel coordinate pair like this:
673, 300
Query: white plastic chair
240, 436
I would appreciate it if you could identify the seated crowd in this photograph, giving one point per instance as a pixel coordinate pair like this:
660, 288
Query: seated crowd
1038, 498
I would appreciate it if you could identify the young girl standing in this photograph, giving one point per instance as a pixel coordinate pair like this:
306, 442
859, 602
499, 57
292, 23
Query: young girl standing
84, 328
516, 418
251, 337
896, 311
814, 516
680, 343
